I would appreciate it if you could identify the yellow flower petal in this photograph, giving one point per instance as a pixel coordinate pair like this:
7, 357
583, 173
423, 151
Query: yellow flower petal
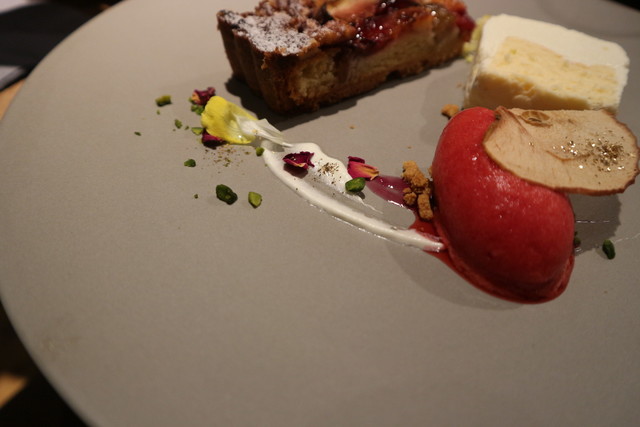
220, 119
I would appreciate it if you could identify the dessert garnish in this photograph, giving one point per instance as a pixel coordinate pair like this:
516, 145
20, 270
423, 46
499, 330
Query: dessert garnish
355, 185
609, 249
163, 100
255, 199
301, 159
231, 123
359, 169
587, 152
450, 110
419, 191
211, 140
201, 97
324, 182
226, 194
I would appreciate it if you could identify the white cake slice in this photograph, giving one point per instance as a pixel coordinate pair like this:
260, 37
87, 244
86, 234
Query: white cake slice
523, 63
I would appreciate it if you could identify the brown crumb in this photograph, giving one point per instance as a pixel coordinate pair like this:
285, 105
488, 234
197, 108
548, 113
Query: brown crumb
450, 110
409, 197
419, 192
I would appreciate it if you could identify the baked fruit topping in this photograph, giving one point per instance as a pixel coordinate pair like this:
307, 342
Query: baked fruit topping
302, 54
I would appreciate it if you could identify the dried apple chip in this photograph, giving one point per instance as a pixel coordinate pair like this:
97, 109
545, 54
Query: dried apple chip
575, 151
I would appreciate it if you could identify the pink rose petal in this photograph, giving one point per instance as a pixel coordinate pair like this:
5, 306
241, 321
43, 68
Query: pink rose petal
208, 139
357, 168
301, 159
201, 97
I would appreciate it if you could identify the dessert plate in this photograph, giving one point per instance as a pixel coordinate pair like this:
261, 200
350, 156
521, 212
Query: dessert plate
145, 305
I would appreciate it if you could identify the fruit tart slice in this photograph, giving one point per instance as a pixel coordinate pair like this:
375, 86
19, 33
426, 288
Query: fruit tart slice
302, 54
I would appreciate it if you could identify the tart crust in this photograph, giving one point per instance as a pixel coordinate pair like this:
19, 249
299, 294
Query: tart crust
299, 58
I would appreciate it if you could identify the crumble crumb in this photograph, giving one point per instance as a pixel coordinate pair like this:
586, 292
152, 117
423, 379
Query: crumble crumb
450, 110
419, 192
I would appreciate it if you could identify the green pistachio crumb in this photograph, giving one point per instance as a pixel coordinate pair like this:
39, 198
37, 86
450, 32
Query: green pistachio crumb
576, 240
255, 199
163, 100
190, 163
177, 123
259, 151
198, 109
195, 196
137, 133
609, 249
226, 194
355, 185
197, 130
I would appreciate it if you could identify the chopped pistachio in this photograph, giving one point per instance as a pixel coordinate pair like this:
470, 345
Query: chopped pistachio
137, 133
609, 249
198, 109
195, 196
354, 185
255, 199
197, 130
259, 151
576, 240
190, 163
163, 100
177, 123
226, 194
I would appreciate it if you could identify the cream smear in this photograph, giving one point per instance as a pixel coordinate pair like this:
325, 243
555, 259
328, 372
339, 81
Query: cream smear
332, 174
322, 185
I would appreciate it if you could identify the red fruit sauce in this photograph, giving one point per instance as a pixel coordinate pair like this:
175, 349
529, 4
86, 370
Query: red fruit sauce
390, 188
391, 16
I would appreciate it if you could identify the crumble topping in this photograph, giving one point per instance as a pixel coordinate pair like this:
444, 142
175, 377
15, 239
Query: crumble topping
418, 193
450, 110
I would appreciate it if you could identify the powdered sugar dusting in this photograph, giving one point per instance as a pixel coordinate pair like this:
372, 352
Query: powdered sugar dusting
270, 33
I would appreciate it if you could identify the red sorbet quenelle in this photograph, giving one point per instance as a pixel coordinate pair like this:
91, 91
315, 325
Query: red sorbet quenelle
509, 237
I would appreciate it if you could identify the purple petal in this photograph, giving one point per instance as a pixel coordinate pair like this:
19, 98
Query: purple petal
201, 97
301, 159
209, 139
